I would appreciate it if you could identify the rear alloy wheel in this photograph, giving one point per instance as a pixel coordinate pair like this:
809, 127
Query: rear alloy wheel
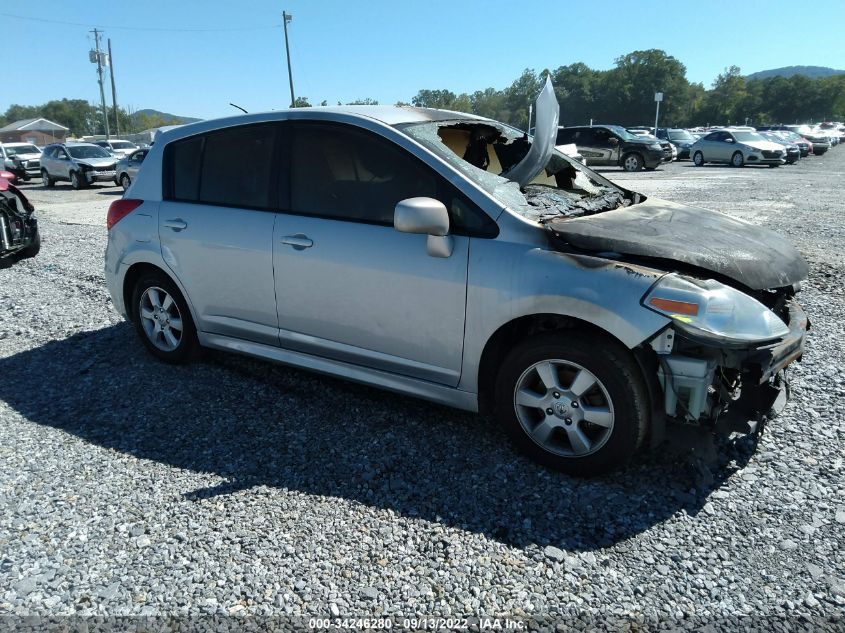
46, 180
632, 162
162, 319
76, 180
737, 160
569, 407
125, 181
698, 159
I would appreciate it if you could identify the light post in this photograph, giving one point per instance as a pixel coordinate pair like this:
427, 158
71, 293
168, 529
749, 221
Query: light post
658, 97
287, 17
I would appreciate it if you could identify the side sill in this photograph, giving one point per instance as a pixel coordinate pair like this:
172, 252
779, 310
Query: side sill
400, 384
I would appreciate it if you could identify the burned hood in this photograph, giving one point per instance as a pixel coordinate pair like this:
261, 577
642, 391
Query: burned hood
657, 229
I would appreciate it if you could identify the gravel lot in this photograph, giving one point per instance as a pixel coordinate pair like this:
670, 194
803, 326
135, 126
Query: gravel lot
233, 486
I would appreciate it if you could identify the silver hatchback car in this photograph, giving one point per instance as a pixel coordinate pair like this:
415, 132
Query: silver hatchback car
450, 257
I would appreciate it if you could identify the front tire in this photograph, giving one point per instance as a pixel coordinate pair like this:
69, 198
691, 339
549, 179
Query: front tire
737, 160
33, 249
573, 401
46, 180
76, 180
698, 159
632, 162
162, 319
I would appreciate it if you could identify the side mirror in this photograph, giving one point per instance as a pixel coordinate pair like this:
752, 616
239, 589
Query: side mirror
425, 216
729, 140
613, 140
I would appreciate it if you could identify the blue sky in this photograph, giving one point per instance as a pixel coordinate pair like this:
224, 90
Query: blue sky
385, 50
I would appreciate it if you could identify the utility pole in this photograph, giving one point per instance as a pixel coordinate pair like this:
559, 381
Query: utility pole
97, 56
113, 93
287, 17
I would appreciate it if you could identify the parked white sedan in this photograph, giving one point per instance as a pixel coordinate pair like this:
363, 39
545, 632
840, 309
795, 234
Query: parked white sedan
737, 148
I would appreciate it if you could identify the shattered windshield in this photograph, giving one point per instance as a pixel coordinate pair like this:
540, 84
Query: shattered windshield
483, 150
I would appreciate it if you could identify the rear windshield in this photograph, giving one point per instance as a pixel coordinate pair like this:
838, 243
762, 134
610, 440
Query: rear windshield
680, 135
748, 137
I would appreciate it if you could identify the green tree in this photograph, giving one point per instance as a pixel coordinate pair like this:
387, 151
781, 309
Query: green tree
366, 101
724, 103
630, 88
301, 102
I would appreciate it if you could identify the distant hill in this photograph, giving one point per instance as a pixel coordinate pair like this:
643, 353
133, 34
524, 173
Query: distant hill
167, 115
813, 72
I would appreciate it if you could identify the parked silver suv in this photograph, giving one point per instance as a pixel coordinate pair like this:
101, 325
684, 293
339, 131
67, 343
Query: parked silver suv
446, 256
80, 163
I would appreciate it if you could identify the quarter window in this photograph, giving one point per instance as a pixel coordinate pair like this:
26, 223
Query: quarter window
184, 169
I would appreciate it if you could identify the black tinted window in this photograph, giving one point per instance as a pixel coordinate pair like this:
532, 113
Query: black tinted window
349, 174
564, 137
236, 166
184, 169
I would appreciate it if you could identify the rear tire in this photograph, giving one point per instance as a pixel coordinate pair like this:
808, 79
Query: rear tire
698, 159
632, 162
573, 400
46, 180
125, 181
162, 319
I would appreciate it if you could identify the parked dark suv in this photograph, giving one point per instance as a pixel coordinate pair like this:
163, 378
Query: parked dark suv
681, 139
613, 145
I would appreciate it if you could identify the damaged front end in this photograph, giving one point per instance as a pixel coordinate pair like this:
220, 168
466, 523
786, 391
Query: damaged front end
716, 379
18, 227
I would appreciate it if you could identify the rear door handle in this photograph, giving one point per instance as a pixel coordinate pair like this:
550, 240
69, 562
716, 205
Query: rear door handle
176, 225
298, 241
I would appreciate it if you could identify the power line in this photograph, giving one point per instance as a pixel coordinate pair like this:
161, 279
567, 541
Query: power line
142, 28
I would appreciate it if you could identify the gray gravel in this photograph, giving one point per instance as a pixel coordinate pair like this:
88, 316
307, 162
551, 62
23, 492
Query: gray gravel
233, 486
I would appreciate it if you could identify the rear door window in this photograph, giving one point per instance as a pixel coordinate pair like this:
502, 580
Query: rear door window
236, 167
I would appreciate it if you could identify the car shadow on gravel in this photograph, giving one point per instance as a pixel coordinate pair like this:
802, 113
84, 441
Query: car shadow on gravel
259, 424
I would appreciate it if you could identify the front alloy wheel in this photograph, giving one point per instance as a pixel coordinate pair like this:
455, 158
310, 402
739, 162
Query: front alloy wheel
573, 420
75, 180
573, 400
698, 159
737, 160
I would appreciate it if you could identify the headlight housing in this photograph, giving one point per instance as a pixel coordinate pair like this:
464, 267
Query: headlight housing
713, 311
655, 146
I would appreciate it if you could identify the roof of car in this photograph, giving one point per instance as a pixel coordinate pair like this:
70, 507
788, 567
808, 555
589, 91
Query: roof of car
389, 115
16, 144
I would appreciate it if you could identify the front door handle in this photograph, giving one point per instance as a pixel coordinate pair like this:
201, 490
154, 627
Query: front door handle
176, 225
298, 241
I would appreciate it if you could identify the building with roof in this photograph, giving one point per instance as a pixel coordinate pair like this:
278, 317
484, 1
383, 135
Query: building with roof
38, 131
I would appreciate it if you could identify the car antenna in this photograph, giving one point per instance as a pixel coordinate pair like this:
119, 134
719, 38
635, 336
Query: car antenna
234, 105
